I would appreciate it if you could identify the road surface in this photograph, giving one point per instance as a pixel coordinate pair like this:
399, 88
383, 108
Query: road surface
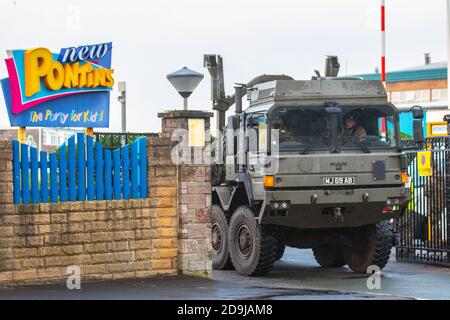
296, 276
298, 269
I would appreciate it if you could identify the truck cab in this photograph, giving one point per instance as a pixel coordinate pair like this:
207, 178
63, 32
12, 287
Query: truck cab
335, 155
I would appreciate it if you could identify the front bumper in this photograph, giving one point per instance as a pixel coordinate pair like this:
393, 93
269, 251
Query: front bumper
315, 208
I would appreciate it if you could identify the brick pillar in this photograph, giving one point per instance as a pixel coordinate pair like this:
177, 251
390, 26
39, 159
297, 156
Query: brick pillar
194, 191
6, 174
6, 208
162, 191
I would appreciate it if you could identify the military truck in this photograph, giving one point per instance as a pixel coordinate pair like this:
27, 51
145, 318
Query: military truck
309, 164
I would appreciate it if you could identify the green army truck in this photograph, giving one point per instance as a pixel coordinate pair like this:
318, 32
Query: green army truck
309, 164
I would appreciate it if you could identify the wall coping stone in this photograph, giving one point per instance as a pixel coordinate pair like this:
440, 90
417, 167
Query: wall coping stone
185, 114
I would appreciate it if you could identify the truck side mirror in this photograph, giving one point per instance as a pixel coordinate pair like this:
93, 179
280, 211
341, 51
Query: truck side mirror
417, 112
418, 132
447, 119
253, 120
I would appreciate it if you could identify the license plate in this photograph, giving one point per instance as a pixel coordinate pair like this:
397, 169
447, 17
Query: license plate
338, 180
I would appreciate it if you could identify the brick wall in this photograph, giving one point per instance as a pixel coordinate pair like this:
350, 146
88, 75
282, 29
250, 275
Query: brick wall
107, 239
167, 233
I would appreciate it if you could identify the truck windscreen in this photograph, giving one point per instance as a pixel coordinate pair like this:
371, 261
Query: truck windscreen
308, 128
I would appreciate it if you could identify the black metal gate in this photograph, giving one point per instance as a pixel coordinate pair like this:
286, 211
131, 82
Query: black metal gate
423, 232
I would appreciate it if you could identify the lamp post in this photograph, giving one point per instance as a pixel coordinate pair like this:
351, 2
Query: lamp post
123, 101
185, 81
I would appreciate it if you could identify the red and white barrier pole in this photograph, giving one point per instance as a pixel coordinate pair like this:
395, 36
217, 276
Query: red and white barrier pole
383, 60
383, 43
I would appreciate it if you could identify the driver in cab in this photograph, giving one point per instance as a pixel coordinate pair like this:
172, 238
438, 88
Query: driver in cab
284, 133
353, 129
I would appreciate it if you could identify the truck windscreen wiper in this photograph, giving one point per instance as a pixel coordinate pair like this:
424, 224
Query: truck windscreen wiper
307, 148
363, 147
323, 135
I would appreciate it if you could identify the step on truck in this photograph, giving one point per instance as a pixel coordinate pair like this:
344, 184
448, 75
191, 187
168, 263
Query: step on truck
309, 164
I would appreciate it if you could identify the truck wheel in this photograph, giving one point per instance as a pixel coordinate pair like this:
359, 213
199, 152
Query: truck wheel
219, 237
329, 256
253, 247
281, 246
373, 246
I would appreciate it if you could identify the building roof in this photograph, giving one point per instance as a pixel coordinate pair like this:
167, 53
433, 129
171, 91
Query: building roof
432, 71
403, 107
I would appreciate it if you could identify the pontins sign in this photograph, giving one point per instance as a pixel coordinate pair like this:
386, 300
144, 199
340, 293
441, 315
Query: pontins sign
69, 89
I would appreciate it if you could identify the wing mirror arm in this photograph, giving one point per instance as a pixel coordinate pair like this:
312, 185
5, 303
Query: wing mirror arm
418, 116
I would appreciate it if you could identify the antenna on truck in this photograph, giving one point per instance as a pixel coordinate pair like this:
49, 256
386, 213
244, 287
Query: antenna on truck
331, 66
220, 102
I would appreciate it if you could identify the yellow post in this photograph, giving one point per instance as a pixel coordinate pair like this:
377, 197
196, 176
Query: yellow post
22, 134
90, 132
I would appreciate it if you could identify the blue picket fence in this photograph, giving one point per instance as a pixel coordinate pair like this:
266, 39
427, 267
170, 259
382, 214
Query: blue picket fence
80, 170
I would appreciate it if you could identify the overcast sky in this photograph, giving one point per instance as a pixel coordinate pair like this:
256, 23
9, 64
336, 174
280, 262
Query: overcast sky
153, 38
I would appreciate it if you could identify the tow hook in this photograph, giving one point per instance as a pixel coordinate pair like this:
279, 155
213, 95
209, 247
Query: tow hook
338, 214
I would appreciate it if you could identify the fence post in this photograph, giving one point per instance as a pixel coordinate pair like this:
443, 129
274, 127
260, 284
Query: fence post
134, 169
116, 177
53, 178
62, 173
72, 180
16, 171
25, 166
34, 164
126, 172
81, 168
108, 169
90, 168
99, 164
143, 167
44, 176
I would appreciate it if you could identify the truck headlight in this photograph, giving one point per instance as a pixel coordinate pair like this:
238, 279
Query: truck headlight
280, 205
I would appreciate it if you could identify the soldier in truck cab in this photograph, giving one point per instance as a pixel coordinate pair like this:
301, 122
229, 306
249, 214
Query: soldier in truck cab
353, 129
284, 133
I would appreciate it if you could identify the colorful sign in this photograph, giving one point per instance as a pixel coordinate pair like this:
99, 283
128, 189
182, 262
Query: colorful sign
69, 89
437, 129
424, 163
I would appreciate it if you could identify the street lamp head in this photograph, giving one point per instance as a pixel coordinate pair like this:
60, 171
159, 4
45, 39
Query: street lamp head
122, 86
185, 81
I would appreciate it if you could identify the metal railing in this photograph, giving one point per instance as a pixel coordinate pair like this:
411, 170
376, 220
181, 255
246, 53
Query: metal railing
423, 232
114, 140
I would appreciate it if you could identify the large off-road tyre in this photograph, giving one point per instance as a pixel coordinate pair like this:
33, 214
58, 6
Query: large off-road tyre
253, 247
372, 245
329, 256
221, 255
281, 247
